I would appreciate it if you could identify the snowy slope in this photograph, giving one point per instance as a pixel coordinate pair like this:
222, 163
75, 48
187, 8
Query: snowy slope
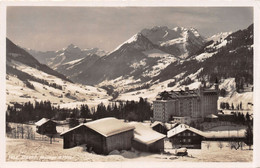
28, 80
178, 41
70, 96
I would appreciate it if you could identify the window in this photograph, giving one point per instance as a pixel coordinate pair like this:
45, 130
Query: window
184, 140
194, 134
189, 140
188, 134
184, 134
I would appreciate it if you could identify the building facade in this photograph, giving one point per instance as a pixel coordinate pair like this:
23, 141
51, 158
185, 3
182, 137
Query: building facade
185, 136
188, 104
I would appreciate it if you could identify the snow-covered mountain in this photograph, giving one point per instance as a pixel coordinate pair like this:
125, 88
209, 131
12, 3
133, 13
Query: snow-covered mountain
178, 41
166, 59
55, 59
142, 57
229, 58
29, 80
133, 63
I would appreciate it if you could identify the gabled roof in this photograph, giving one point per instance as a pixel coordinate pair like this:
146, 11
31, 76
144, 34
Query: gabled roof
166, 125
42, 121
106, 126
207, 134
183, 127
145, 135
71, 129
109, 126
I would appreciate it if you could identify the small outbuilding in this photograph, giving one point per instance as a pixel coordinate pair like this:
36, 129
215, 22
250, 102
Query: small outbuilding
185, 136
146, 139
211, 118
102, 136
162, 127
46, 126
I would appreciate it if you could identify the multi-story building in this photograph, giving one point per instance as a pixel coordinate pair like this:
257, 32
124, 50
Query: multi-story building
185, 105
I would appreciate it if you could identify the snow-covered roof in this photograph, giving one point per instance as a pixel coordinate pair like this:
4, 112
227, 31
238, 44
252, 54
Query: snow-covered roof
145, 135
109, 126
211, 116
225, 134
208, 134
183, 127
106, 126
71, 129
166, 125
42, 121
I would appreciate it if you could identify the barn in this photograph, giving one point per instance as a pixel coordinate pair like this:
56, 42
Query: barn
46, 126
146, 139
185, 136
103, 135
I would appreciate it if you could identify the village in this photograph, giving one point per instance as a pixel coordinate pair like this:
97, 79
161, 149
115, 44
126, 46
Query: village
186, 126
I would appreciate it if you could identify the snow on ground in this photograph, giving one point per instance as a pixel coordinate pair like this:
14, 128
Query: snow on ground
219, 36
71, 95
228, 84
236, 98
73, 62
204, 56
32, 150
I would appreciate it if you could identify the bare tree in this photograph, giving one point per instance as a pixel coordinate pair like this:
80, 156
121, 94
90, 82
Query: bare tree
234, 144
208, 144
220, 144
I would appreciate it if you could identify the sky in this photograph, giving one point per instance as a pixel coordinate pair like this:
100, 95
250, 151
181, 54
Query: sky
53, 28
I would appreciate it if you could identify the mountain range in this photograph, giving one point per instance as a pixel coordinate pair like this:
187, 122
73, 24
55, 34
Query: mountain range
154, 58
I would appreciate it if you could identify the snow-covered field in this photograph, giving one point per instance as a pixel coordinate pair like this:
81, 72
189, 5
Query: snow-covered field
72, 95
31, 150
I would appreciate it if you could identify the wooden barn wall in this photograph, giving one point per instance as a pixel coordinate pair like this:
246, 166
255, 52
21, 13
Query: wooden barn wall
94, 140
74, 138
157, 146
139, 146
120, 141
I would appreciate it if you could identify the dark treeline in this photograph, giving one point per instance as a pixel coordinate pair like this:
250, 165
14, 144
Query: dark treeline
129, 110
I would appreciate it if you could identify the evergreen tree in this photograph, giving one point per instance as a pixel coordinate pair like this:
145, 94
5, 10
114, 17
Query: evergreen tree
249, 136
247, 118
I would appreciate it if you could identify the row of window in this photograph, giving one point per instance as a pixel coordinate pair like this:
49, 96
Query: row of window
186, 134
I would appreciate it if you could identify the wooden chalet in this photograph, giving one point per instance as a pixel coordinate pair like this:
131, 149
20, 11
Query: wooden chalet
185, 136
46, 126
103, 135
146, 139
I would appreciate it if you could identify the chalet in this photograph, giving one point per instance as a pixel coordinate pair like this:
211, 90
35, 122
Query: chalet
46, 126
162, 127
185, 136
146, 139
103, 135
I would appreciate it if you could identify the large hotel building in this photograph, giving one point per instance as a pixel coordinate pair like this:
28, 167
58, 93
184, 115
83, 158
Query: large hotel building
186, 105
